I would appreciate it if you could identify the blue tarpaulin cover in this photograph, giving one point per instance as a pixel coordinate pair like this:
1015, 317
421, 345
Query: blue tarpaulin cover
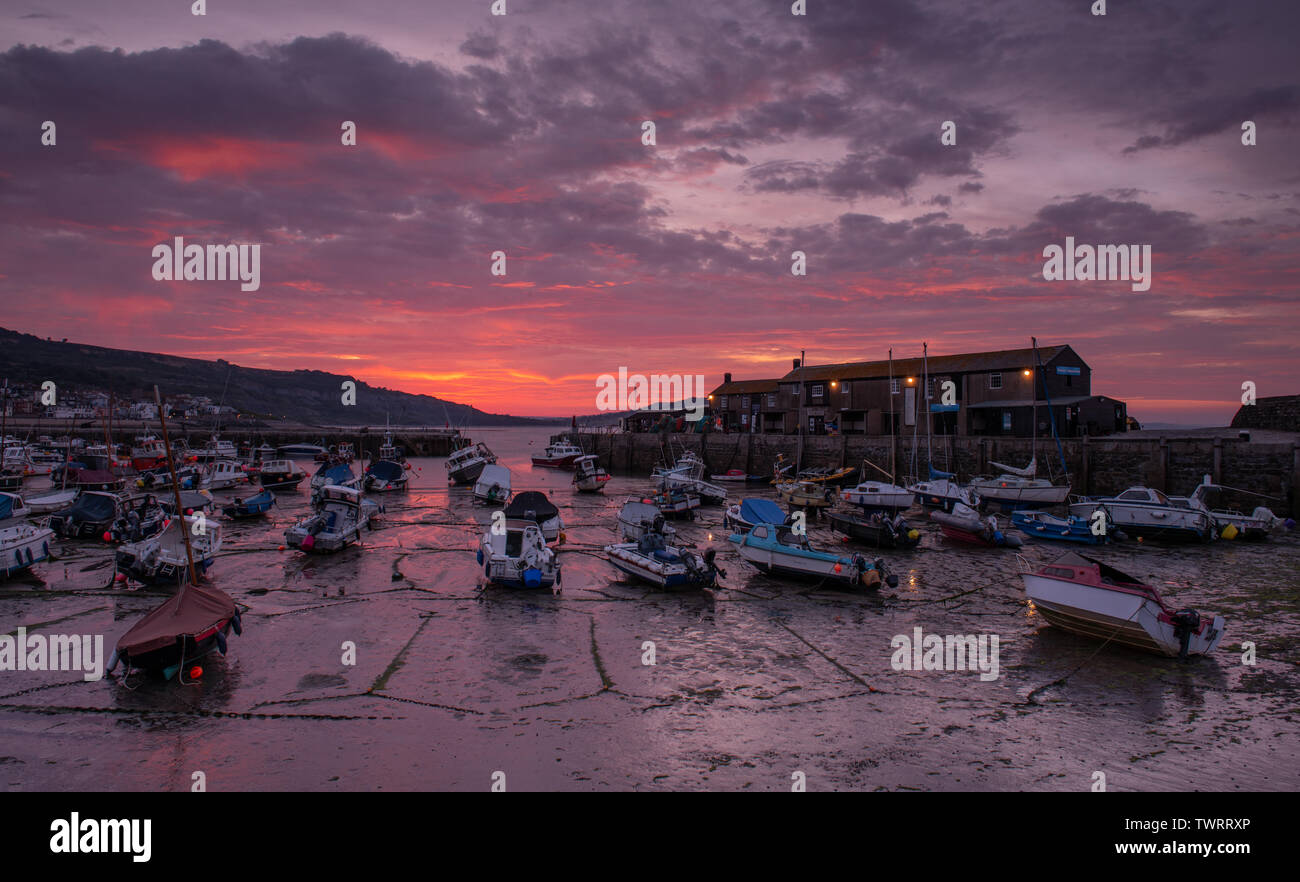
761, 511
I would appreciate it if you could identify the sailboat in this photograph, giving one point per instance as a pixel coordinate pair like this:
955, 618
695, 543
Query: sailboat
881, 496
941, 490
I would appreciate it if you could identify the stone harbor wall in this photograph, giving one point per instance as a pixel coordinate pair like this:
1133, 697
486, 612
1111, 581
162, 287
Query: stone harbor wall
1281, 413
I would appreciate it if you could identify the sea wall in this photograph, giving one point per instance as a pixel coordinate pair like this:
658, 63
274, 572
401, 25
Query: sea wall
1280, 412
1096, 466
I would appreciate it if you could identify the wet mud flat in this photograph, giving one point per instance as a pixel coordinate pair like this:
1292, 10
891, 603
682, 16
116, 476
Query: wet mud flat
753, 682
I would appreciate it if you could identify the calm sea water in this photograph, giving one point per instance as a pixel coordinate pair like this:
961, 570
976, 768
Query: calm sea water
752, 683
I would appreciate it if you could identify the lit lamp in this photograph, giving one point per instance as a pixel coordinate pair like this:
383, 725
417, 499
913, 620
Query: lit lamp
911, 380
834, 384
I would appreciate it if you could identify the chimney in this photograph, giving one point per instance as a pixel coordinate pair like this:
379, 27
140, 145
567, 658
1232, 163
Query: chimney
726, 378
796, 364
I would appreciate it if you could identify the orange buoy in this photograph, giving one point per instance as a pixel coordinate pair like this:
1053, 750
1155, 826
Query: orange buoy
838, 568
282, 548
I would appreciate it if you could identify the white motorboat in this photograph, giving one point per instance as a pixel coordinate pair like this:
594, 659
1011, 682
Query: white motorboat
1087, 597
652, 560
221, 474
1015, 488
588, 476
638, 517
518, 556
22, 547
776, 548
12, 507
687, 477
217, 449
879, 496
48, 502
534, 506
560, 455
1146, 512
336, 523
493, 485
161, 559
466, 464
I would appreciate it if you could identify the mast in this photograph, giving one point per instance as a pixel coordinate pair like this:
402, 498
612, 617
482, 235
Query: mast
1051, 416
893, 434
803, 367
4, 423
176, 491
925, 397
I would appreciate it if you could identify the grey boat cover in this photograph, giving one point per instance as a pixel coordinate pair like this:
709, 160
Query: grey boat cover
531, 501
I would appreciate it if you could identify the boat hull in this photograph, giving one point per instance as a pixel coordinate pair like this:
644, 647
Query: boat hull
876, 535
21, 548
1152, 522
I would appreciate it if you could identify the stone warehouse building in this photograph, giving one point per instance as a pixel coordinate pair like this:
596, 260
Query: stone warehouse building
993, 395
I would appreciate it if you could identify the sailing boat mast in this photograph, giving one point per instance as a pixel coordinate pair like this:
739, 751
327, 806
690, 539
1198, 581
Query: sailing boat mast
1050, 416
893, 432
925, 398
176, 491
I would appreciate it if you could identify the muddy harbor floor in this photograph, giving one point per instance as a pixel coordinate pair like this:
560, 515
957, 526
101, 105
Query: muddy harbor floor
752, 682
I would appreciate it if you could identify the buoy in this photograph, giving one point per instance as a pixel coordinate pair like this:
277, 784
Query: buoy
119, 577
838, 568
913, 534
108, 537
196, 672
1229, 532
1139, 538
281, 548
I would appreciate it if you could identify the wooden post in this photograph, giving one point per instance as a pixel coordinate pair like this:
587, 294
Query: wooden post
1295, 480
1217, 472
1085, 467
1164, 465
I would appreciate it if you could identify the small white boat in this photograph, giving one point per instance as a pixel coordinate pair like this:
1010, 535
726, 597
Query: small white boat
652, 560
466, 464
638, 517
560, 455
222, 474
217, 449
1016, 488
943, 493
337, 523
687, 477
805, 494
588, 476
493, 485
23, 546
48, 502
879, 496
161, 559
1087, 597
1146, 512
12, 507
518, 556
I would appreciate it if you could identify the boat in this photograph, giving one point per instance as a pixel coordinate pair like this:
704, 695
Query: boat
21, 547
640, 516
778, 549
281, 474
385, 476
686, 476
149, 453
878, 496
738, 476
48, 502
742, 516
217, 449
1147, 513
251, 507
11, 480
964, 524
388, 450
534, 506
1085, 596
1050, 528
518, 556
190, 478
942, 493
876, 528
12, 507
97, 479
138, 518
222, 474
300, 451
827, 475
333, 473
191, 502
675, 503
805, 494
183, 629
90, 516
1260, 524
1014, 489
493, 485
559, 455
652, 560
161, 559
588, 476
466, 464
335, 524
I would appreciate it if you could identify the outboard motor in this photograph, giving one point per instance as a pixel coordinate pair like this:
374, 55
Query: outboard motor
1186, 623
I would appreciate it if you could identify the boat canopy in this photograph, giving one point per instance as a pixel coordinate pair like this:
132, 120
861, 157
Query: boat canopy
1027, 472
761, 511
93, 506
935, 474
7, 502
494, 474
531, 505
386, 470
336, 474
194, 611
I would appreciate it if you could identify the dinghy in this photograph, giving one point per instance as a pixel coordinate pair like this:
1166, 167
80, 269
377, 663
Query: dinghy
878, 496
161, 560
877, 529
1087, 597
518, 557
49, 502
588, 476
640, 516
335, 525
776, 548
1050, 528
742, 516
22, 547
252, 507
964, 524
385, 476
652, 560
533, 506
493, 485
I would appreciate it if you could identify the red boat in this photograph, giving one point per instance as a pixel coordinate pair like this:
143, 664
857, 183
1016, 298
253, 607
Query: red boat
559, 455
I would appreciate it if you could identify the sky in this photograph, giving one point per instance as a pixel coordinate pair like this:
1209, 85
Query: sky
774, 133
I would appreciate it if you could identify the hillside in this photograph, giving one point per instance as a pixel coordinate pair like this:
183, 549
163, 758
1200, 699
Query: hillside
310, 397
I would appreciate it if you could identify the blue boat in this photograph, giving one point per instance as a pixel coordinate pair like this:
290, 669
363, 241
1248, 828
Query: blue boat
253, 506
778, 549
1046, 527
385, 476
742, 516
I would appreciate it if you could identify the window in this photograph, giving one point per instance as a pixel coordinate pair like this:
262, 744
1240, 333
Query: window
744, 402
995, 381
895, 386
1006, 421
771, 399
724, 402
844, 387
1069, 380
817, 390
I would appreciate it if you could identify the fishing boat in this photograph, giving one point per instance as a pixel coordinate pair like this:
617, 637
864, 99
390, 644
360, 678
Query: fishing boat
183, 629
686, 476
1085, 596
216, 449
149, 453
12, 507
874, 496
640, 516
43, 461
335, 524
493, 485
805, 494
738, 476
48, 502
1147, 513
964, 524
466, 464
1050, 528
876, 528
138, 518
388, 450
90, 516
21, 547
385, 476
652, 560
588, 476
534, 506
161, 559
742, 516
1014, 489
559, 455
251, 507
280, 474
190, 478
223, 474
776, 548
518, 556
